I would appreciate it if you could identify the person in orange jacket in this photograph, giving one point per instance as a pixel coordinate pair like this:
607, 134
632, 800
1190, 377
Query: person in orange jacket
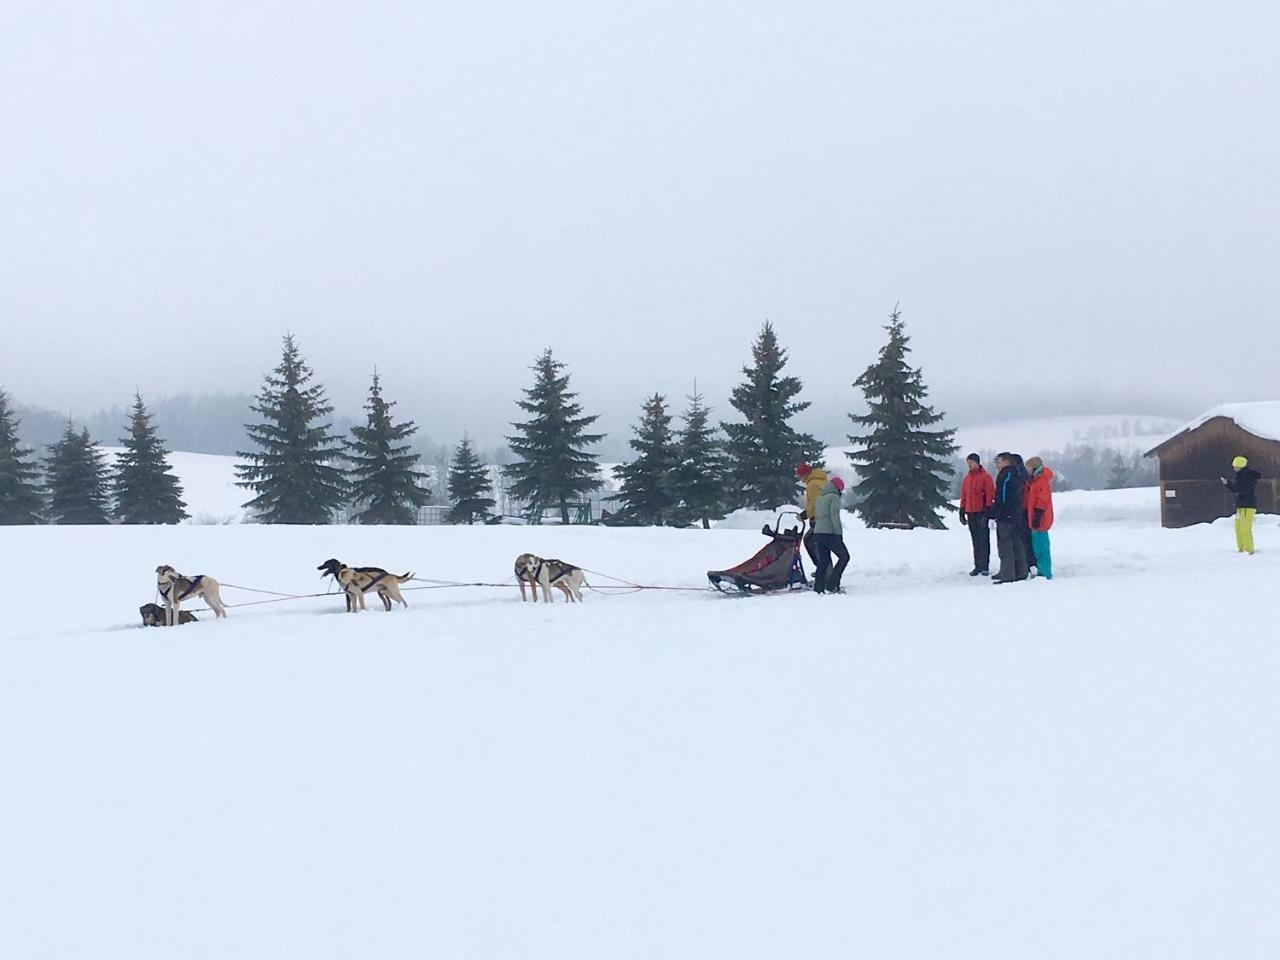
977, 494
1039, 500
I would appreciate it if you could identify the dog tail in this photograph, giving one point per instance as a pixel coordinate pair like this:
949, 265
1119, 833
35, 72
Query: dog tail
404, 577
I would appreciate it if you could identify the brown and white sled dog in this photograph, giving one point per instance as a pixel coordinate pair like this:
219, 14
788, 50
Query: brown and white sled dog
357, 581
175, 588
543, 574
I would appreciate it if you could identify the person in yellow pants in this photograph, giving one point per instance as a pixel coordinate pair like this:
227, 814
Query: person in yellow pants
1245, 487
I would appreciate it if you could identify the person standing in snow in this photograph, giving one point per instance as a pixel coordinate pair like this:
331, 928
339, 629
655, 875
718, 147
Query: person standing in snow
1024, 528
977, 494
1039, 500
814, 479
829, 537
1245, 487
1009, 513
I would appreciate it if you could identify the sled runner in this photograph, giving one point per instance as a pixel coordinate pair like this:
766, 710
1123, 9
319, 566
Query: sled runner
776, 566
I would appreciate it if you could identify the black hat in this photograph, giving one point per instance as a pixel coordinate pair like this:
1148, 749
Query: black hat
974, 457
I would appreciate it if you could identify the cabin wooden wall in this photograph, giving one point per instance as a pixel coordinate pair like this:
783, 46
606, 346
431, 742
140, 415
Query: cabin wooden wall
1192, 468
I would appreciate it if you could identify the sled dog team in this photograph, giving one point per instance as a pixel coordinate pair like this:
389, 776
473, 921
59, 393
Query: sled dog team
536, 572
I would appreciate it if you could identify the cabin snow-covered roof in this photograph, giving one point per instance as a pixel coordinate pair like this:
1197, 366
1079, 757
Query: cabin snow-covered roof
1261, 418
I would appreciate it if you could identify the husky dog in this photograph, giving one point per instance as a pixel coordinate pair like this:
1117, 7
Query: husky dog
175, 588
543, 574
153, 615
357, 581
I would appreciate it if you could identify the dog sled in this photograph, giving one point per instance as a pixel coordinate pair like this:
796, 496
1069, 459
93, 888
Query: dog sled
776, 566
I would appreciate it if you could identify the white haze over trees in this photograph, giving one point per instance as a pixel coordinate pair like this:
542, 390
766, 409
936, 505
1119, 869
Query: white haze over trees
1075, 203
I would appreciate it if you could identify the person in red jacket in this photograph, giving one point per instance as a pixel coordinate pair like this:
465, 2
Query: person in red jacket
1039, 500
976, 495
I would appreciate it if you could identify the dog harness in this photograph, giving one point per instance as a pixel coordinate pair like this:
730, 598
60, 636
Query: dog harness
173, 589
558, 570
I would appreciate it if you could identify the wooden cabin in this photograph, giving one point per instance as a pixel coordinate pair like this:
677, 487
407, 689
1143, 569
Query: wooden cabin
1194, 461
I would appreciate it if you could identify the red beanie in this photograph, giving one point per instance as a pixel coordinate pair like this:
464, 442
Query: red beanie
803, 469
838, 484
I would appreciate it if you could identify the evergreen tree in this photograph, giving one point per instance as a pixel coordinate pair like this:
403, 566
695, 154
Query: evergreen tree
469, 486
905, 468
647, 484
761, 453
146, 491
1120, 475
385, 480
76, 478
293, 476
21, 499
700, 475
552, 466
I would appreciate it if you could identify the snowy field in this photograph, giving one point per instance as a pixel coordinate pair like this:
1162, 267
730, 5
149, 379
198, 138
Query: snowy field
926, 767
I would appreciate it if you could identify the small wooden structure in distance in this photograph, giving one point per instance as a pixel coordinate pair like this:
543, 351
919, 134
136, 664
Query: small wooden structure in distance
1195, 459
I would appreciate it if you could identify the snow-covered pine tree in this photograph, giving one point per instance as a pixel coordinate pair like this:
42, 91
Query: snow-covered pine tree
21, 499
469, 486
647, 493
293, 477
552, 466
386, 486
76, 478
761, 454
699, 477
146, 491
905, 467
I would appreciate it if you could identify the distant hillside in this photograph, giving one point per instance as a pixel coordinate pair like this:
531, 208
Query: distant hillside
1082, 448
1127, 433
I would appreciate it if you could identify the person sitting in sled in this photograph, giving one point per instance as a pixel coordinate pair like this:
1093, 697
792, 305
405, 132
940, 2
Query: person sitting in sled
829, 538
1245, 487
814, 479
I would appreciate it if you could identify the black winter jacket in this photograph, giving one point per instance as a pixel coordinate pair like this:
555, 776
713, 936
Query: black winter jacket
1245, 487
1010, 487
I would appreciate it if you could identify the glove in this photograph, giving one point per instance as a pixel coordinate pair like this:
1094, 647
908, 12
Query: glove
964, 518
1225, 481
1037, 520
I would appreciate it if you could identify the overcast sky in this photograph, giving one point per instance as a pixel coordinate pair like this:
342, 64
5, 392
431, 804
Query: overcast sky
1076, 203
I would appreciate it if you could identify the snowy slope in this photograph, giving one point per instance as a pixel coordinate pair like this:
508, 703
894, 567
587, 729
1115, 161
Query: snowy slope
928, 767
1129, 433
1120, 432
208, 485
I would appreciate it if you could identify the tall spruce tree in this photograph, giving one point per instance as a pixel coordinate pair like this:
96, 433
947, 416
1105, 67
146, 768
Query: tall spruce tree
294, 476
647, 484
905, 467
76, 478
699, 475
21, 499
762, 452
469, 486
386, 485
553, 466
146, 491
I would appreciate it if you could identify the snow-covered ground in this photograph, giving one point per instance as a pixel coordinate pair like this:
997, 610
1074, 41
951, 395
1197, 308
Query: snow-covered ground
929, 766
208, 485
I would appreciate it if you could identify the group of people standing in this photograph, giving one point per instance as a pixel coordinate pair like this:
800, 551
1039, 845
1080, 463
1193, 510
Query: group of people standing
1020, 501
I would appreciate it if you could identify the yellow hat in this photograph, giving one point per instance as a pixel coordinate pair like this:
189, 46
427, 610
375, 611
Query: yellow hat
1239, 463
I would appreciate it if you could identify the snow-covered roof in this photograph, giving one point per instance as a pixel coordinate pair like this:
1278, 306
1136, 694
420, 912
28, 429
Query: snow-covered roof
1261, 418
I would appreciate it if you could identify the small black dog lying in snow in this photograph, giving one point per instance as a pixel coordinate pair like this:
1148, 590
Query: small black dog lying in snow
153, 615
